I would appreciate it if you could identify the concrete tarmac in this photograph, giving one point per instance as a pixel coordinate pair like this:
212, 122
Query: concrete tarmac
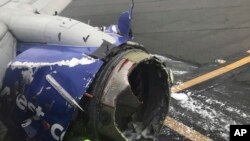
197, 31
194, 34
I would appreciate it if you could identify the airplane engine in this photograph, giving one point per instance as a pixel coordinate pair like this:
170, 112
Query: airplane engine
67, 80
131, 97
117, 93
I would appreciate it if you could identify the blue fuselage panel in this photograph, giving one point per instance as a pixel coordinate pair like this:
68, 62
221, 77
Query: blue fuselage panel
31, 103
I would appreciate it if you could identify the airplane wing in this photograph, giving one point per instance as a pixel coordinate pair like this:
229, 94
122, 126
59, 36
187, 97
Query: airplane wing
49, 7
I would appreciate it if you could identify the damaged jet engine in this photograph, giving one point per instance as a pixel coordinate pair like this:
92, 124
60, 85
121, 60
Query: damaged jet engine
68, 80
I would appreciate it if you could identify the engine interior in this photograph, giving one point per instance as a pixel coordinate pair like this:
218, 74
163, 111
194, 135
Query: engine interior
143, 121
130, 99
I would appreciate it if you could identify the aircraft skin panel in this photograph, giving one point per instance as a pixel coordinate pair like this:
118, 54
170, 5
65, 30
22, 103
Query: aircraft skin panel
56, 30
21, 47
40, 106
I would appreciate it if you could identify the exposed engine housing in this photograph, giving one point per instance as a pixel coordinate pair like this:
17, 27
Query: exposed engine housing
130, 97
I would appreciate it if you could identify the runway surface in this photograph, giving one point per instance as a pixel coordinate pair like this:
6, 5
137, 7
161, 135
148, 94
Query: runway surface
194, 38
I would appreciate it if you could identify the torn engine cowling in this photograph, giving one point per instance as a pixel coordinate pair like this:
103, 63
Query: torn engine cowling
131, 97
120, 94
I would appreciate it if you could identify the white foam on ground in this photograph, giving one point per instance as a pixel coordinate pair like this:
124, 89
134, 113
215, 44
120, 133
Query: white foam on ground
238, 112
214, 121
228, 108
179, 96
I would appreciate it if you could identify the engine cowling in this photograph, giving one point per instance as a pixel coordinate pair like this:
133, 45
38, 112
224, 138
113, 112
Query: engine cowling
115, 94
130, 97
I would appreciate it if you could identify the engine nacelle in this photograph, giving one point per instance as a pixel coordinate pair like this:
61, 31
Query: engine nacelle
129, 97
120, 96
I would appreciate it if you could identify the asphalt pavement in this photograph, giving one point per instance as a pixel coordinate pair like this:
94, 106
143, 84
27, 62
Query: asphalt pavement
191, 35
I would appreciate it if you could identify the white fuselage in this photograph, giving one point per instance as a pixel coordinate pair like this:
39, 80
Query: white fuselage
30, 27
21, 24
